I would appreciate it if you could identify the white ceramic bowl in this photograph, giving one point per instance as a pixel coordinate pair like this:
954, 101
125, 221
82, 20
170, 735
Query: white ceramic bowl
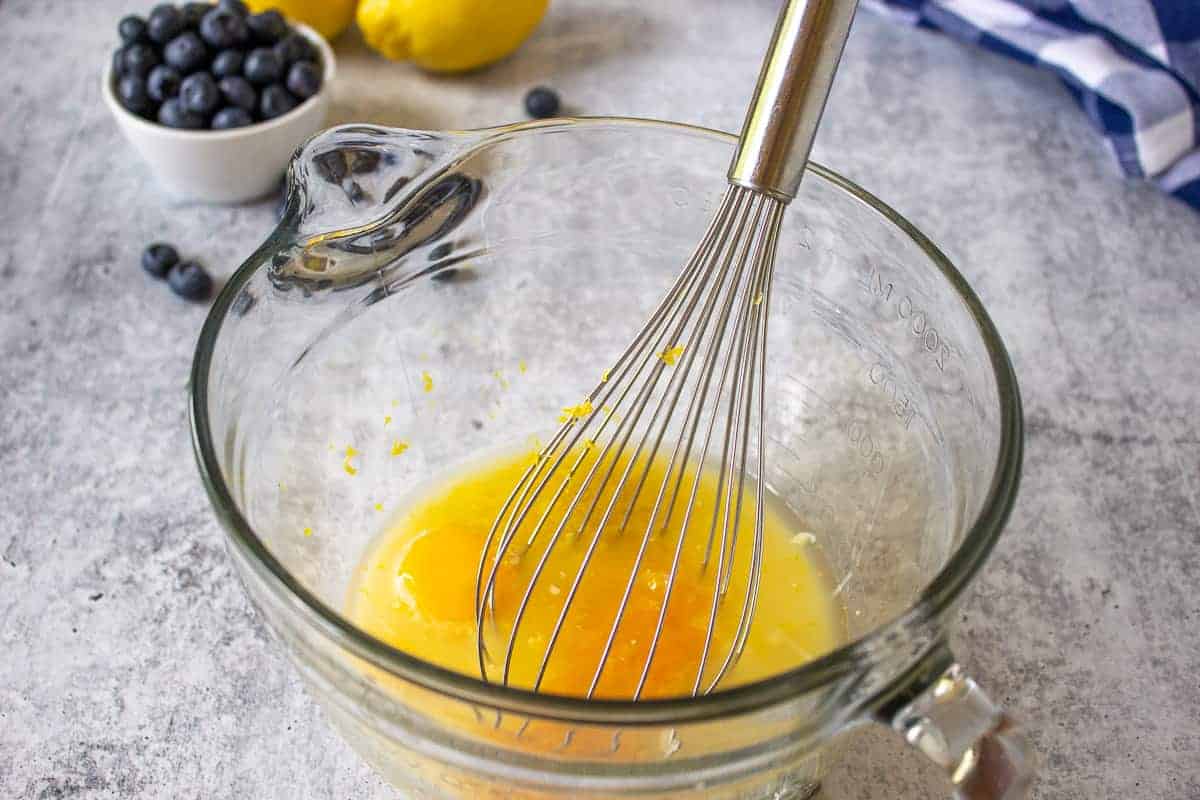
229, 166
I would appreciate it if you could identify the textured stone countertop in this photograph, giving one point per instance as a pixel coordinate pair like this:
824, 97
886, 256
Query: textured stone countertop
131, 663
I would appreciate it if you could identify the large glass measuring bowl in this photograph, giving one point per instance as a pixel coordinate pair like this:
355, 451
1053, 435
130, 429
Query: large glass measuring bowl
504, 268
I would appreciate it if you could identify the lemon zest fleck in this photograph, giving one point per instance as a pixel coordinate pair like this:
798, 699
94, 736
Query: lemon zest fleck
387, 419
758, 300
671, 355
350, 469
427, 381
521, 366
398, 447
308, 531
604, 375
500, 377
576, 412
379, 506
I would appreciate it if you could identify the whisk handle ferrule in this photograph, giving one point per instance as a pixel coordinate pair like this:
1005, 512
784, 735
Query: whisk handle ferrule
792, 88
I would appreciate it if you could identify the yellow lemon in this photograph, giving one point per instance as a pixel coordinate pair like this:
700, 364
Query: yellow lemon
448, 35
328, 17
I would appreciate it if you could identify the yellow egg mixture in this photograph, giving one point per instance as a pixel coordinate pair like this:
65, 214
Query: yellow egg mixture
416, 585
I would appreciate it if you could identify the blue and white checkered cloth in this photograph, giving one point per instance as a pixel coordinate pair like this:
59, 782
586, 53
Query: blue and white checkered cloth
1134, 66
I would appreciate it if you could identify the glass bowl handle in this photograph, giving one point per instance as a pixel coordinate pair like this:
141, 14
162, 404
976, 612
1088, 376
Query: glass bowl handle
986, 754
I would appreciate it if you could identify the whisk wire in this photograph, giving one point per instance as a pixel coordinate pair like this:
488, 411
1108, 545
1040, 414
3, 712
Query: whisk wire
678, 381
714, 314
515, 514
627, 424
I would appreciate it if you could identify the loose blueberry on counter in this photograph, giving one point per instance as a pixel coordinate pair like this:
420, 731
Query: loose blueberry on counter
275, 102
173, 114
199, 93
186, 53
228, 63
193, 13
224, 29
236, 6
304, 79
231, 117
158, 258
331, 166
189, 280
293, 48
131, 91
363, 161
262, 66
132, 29
238, 92
164, 23
541, 102
139, 59
268, 27
163, 83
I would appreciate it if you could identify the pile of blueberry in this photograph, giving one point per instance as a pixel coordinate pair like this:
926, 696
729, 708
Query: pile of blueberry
217, 66
186, 278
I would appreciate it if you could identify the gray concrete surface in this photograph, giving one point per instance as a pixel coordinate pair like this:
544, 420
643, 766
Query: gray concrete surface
131, 665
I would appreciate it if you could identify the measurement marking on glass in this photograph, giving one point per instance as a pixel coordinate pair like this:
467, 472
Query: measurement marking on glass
916, 320
902, 404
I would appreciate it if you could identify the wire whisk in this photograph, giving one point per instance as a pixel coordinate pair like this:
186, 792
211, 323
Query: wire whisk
682, 407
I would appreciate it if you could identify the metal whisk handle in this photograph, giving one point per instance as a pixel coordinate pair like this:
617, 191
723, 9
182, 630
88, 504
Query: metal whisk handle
792, 88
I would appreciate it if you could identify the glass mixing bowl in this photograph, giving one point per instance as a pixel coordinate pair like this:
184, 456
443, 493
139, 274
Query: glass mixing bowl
509, 266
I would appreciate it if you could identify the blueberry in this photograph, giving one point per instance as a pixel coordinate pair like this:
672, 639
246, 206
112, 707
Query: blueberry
186, 53
223, 29
132, 29
268, 27
118, 64
331, 166
174, 115
163, 83
139, 59
293, 48
131, 91
199, 93
275, 102
231, 117
238, 92
227, 63
363, 161
158, 258
236, 6
193, 13
304, 79
541, 102
189, 280
263, 66
164, 23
